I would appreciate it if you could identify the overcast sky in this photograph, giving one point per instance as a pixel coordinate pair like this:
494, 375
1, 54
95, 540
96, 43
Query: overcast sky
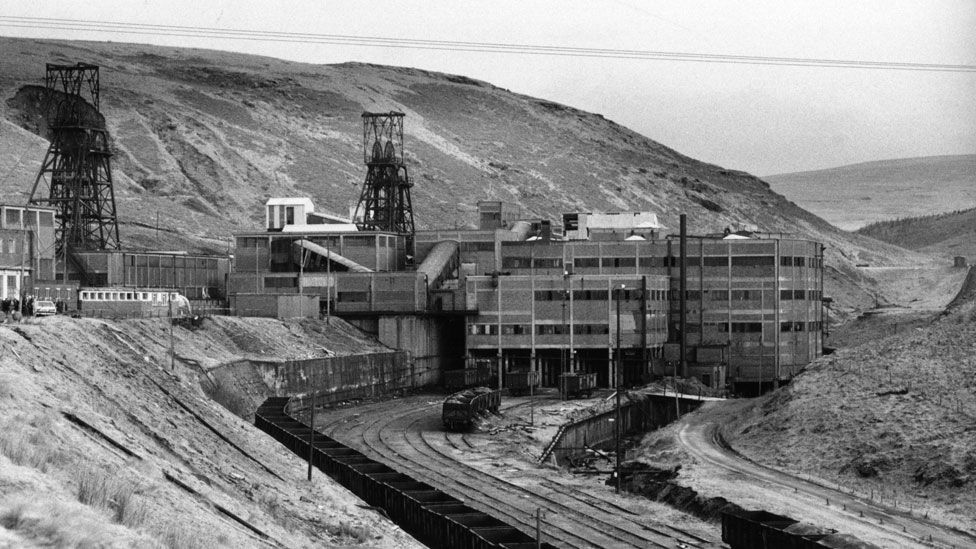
762, 119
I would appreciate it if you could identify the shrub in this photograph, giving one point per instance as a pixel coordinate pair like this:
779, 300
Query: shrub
101, 491
32, 443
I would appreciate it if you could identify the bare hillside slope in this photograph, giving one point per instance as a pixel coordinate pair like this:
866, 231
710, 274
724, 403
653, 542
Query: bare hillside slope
892, 419
946, 234
203, 138
102, 445
858, 194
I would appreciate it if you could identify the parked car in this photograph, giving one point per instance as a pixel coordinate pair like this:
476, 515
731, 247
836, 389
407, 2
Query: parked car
44, 308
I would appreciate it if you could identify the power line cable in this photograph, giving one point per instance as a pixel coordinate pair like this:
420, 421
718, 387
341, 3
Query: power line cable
462, 46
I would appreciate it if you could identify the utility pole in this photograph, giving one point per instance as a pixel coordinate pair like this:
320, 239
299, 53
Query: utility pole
311, 432
172, 354
538, 527
331, 284
562, 352
616, 380
23, 248
301, 286
683, 308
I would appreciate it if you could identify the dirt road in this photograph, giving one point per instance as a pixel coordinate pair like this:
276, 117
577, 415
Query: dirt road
719, 470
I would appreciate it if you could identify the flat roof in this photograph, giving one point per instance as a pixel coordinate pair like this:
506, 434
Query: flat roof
28, 206
313, 232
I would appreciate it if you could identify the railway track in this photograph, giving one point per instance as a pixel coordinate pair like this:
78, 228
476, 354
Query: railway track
414, 441
436, 518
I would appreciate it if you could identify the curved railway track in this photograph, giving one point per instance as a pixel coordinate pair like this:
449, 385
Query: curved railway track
414, 441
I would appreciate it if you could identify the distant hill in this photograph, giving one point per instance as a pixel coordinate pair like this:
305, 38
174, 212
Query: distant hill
858, 194
948, 234
203, 138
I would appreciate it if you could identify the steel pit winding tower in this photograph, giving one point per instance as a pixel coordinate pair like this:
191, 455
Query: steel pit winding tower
76, 169
384, 204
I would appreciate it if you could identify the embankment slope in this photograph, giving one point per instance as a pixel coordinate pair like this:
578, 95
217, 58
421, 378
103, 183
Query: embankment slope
893, 418
101, 444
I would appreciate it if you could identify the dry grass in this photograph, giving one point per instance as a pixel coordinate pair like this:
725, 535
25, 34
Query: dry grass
348, 531
32, 442
7, 384
176, 535
271, 504
55, 523
118, 496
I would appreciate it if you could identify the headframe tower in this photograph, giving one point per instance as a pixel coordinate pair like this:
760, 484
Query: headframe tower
384, 204
76, 175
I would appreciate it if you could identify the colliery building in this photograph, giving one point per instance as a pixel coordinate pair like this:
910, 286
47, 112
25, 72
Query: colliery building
27, 252
739, 309
516, 296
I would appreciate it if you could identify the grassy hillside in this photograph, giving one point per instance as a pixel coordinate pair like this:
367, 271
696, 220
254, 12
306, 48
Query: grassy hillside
103, 445
858, 194
947, 234
203, 138
892, 419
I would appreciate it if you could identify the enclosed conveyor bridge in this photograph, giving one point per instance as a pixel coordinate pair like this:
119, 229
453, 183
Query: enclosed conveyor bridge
329, 255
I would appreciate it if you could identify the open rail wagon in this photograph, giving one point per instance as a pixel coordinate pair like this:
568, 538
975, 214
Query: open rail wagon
520, 383
474, 376
764, 530
462, 408
435, 518
576, 385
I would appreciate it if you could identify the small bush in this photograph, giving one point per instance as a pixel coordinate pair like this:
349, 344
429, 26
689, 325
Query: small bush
32, 443
56, 523
349, 531
178, 536
101, 491
272, 506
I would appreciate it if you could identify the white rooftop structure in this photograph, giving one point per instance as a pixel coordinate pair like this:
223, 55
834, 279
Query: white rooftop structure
582, 225
298, 215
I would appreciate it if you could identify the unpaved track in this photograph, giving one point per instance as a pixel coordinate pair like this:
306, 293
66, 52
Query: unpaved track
407, 434
698, 434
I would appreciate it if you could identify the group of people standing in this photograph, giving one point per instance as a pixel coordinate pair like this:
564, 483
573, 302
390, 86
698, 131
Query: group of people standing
11, 308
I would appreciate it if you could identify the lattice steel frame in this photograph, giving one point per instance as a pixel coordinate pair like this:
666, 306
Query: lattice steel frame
384, 204
77, 168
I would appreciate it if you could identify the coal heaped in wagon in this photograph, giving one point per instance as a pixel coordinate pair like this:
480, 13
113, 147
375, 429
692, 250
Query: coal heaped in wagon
435, 518
462, 408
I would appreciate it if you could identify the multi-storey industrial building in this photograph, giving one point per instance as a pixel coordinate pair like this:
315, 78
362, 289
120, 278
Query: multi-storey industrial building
515, 295
27, 250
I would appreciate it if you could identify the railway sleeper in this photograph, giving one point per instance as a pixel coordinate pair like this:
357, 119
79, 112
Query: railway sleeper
434, 517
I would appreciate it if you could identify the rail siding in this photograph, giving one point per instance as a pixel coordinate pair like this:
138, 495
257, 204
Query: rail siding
640, 413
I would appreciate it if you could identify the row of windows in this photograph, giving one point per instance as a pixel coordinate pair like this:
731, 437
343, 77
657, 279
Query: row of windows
169, 262
540, 329
8, 246
798, 261
801, 326
599, 295
477, 246
91, 295
352, 297
755, 327
812, 295
280, 282
514, 262
13, 221
747, 295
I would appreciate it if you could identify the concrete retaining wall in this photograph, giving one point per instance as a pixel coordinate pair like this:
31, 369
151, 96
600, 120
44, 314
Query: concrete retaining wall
241, 386
637, 415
